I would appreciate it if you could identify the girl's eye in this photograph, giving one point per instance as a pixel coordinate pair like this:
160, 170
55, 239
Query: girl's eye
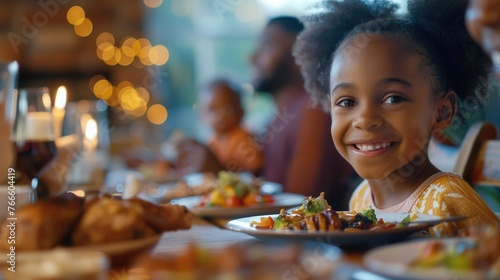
346, 103
393, 99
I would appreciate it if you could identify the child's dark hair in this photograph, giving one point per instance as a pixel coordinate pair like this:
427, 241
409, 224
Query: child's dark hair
436, 27
233, 87
290, 24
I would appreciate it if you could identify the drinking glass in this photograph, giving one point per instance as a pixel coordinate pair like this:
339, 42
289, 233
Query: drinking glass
8, 79
89, 120
33, 135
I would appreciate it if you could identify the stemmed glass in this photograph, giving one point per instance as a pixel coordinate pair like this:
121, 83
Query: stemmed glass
8, 80
33, 135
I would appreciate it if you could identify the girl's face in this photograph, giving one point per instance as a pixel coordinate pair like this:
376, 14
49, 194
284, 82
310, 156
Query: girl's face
382, 105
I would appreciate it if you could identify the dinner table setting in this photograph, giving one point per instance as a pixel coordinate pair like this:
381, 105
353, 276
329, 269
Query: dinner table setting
103, 220
193, 238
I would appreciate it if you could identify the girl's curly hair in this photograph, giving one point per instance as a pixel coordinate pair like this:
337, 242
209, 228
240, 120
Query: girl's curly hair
435, 27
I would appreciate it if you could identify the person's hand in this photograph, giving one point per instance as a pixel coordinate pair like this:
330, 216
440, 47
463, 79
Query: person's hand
483, 23
193, 156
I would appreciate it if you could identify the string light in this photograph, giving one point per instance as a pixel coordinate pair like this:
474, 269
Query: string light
138, 52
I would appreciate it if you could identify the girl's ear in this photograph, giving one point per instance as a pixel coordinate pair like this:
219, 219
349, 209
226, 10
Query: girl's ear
446, 110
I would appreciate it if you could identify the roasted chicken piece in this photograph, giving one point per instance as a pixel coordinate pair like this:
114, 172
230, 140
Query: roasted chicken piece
42, 225
108, 220
327, 220
165, 217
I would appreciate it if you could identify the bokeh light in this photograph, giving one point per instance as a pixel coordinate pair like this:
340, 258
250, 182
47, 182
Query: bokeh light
102, 89
158, 55
153, 3
75, 15
105, 37
157, 114
85, 28
144, 94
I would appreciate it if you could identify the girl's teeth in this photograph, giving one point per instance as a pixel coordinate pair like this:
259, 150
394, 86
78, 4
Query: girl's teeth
363, 147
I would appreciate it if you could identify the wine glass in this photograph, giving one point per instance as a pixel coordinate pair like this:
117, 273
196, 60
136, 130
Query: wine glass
33, 136
8, 79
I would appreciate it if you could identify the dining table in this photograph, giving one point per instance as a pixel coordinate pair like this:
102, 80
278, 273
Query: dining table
212, 234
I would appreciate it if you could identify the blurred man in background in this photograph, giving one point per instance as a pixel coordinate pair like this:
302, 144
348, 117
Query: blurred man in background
297, 146
298, 149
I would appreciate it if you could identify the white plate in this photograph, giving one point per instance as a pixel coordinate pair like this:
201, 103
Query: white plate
395, 261
281, 200
340, 237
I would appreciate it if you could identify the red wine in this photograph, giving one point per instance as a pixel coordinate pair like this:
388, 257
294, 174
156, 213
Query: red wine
33, 156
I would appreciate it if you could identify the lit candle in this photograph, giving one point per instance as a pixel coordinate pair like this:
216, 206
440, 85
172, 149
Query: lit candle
90, 135
58, 110
38, 127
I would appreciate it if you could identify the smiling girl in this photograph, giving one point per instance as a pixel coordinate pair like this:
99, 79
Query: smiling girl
390, 83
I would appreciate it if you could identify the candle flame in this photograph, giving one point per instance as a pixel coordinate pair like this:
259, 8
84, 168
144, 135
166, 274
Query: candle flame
91, 130
61, 97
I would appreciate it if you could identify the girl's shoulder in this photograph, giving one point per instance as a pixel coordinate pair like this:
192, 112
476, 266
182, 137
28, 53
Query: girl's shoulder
446, 182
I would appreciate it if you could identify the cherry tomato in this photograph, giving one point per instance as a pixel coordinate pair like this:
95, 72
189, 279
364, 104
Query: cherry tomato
233, 201
250, 199
267, 198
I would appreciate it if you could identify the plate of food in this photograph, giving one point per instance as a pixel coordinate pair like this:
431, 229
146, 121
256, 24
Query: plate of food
472, 257
316, 220
274, 204
113, 226
233, 195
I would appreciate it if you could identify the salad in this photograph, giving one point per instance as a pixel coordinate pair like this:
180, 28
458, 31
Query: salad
232, 191
315, 214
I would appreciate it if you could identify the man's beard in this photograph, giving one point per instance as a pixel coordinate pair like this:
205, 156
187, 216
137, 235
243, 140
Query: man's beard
274, 82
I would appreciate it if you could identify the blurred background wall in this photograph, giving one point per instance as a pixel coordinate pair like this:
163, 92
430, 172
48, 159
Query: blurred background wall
145, 58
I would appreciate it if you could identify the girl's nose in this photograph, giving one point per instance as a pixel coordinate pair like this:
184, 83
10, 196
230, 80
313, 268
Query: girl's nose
367, 118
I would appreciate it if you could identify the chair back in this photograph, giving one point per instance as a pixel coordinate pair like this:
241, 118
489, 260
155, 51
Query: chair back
470, 160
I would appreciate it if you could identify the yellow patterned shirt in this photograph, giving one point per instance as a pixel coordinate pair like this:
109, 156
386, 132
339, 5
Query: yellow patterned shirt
444, 195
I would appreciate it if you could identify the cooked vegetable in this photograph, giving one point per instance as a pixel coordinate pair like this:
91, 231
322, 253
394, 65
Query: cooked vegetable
369, 214
405, 222
232, 184
315, 214
314, 205
280, 222
233, 191
285, 220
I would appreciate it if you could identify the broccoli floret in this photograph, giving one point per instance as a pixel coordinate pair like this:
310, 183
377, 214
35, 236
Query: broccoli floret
314, 205
369, 214
280, 222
